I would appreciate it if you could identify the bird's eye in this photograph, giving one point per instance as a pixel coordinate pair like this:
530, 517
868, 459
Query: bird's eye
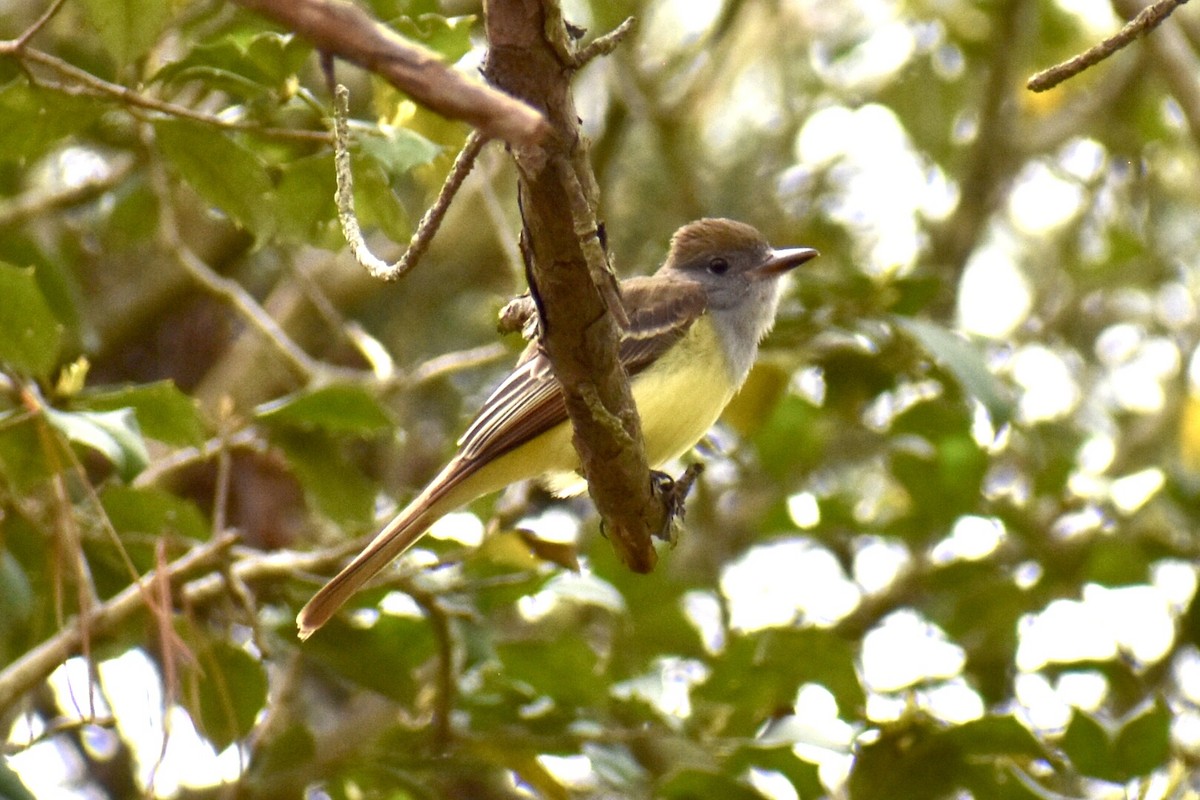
718, 266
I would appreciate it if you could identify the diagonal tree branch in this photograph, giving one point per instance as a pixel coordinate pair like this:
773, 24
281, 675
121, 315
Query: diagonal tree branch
26, 672
344, 30
1173, 57
1145, 21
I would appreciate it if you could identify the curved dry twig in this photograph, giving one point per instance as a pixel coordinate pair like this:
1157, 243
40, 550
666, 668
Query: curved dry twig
430, 221
1147, 20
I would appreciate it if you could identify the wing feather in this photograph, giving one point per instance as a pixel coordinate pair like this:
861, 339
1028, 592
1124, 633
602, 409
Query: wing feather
529, 402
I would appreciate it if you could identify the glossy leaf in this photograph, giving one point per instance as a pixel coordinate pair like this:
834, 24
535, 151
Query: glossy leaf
339, 409
32, 337
223, 172
163, 411
113, 434
128, 28
965, 363
155, 512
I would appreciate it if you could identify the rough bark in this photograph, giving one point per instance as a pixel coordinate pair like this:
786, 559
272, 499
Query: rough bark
532, 58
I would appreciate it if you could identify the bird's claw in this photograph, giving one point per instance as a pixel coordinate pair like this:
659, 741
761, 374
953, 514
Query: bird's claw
673, 492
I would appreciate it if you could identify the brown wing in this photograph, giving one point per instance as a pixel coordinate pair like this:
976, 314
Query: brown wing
657, 318
526, 404
529, 401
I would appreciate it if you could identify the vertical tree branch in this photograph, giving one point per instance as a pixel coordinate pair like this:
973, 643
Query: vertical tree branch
533, 61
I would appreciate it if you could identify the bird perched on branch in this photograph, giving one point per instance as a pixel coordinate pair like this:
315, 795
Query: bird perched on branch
693, 334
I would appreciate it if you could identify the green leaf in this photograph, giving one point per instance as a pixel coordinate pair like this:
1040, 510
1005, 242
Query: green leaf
11, 787
383, 657
223, 172
400, 150
303, 203
689, 784
36, 120
163, 412
243, 65
32, 337
996, 736
341, 408
152, 511
23, 461
232, 692
291, 751
128, 28
561, 666
113, 434
376, 202
964, 361
759, 673
910, 762
1144, 742
17, 603
782, 759
450, 37
1086, 744
336, 486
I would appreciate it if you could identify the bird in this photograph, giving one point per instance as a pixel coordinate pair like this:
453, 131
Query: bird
693, 332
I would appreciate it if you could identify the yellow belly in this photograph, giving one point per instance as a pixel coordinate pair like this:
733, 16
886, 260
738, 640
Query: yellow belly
678, 400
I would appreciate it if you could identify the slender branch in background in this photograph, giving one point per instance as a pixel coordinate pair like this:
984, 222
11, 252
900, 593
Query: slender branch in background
244, 303
228, 290
344, 197
38, 662
91, 85
186, 457
991, 162
503, 227
37, 202
373, 351
344, 30
443, 706
1173, 56
603, 45
38, 24
1146, 20
451, 363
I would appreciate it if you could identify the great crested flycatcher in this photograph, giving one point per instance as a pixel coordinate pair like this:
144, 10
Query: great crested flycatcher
693, 334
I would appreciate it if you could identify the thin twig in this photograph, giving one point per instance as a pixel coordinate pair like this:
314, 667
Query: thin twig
35, 202
38, 24
37, 663
502, 226
1147, 20
344, 197
451, 363
250, 309
1172, 55
99, 87
227, 289
443, 706
603, 45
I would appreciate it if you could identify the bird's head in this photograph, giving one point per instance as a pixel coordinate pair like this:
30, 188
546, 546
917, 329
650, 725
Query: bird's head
731, 259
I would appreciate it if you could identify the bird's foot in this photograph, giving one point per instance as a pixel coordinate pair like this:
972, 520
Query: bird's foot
674, 492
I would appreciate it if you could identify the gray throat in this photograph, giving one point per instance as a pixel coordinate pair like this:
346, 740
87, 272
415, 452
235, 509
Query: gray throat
743, 325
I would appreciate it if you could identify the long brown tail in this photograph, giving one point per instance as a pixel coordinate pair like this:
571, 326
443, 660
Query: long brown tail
400, 534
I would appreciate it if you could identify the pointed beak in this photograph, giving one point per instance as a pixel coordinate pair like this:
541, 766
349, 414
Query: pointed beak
781, 261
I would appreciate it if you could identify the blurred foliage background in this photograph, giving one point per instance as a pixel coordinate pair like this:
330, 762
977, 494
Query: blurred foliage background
946, 544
